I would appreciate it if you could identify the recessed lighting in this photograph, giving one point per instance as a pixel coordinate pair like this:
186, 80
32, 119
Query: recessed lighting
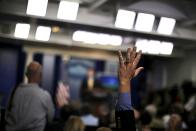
142, 45
144, 22
84, 36
97, 38
125, 19
166, 48
37, 7
116, 40
154, 47
43, 33
68, 10
166, 25
22, 30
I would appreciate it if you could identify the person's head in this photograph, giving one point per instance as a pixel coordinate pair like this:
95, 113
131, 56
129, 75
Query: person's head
91, 72
103, 129
86, 109
74, 123
34, 72
145, 118
175, 122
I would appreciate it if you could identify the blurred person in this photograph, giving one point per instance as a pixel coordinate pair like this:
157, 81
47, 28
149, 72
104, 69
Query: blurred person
74, 123
156, 122
151, 109
103, 129
190, 113
175, 123
66, 108
125, 120
30, 107
89, 83
188, 89
88, 118
145, 119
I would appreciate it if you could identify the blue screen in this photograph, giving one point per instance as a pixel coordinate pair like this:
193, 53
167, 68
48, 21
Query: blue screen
110, 82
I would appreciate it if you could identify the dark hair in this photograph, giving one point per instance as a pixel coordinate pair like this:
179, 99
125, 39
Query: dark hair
145, 118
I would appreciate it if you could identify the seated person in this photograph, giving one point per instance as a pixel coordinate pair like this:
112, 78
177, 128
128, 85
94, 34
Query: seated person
88, 118
103, 129
74, 123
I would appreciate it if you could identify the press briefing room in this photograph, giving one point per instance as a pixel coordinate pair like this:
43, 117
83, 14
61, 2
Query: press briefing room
97, 65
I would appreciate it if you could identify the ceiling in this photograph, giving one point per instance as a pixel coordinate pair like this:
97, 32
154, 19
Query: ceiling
99, 15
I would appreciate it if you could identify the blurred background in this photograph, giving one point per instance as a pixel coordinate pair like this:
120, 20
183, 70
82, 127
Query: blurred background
69, 37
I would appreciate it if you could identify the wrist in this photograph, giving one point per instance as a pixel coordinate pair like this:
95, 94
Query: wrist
125, 88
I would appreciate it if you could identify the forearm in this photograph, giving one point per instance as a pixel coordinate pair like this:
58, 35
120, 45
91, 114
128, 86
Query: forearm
125, 86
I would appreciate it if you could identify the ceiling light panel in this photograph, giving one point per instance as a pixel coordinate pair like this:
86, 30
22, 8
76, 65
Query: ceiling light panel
43, 33
97, 38
37, 7
166, 48
144, 22
154, 47
125, 19
166, 26
22, 30
68, 10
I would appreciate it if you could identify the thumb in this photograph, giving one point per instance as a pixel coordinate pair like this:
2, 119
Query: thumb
138, 70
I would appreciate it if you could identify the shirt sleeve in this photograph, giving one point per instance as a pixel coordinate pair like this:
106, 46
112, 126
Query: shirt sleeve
124, 102
49, 107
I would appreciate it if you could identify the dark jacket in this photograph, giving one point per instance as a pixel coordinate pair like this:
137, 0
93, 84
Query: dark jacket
125, 120
85, 94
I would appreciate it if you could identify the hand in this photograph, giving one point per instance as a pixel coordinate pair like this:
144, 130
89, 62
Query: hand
128, 68
63, 95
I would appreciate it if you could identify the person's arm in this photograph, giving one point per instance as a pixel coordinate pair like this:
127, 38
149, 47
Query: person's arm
49, 107
125, 120
62, 100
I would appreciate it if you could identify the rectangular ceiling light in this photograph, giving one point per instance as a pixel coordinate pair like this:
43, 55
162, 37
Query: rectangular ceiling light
142, 45
43, 33
84, 36
68, 10
144, 22
166, 48
125, 19
37, 7
97, 38
166, 26
154, 47
116, 40
22, 30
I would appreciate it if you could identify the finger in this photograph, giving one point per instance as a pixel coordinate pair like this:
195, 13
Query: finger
121, 60
137, 59
138, 70
129, 51
133, 54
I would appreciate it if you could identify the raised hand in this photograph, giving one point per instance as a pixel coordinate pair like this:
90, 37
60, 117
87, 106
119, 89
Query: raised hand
128, 68
63, 95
